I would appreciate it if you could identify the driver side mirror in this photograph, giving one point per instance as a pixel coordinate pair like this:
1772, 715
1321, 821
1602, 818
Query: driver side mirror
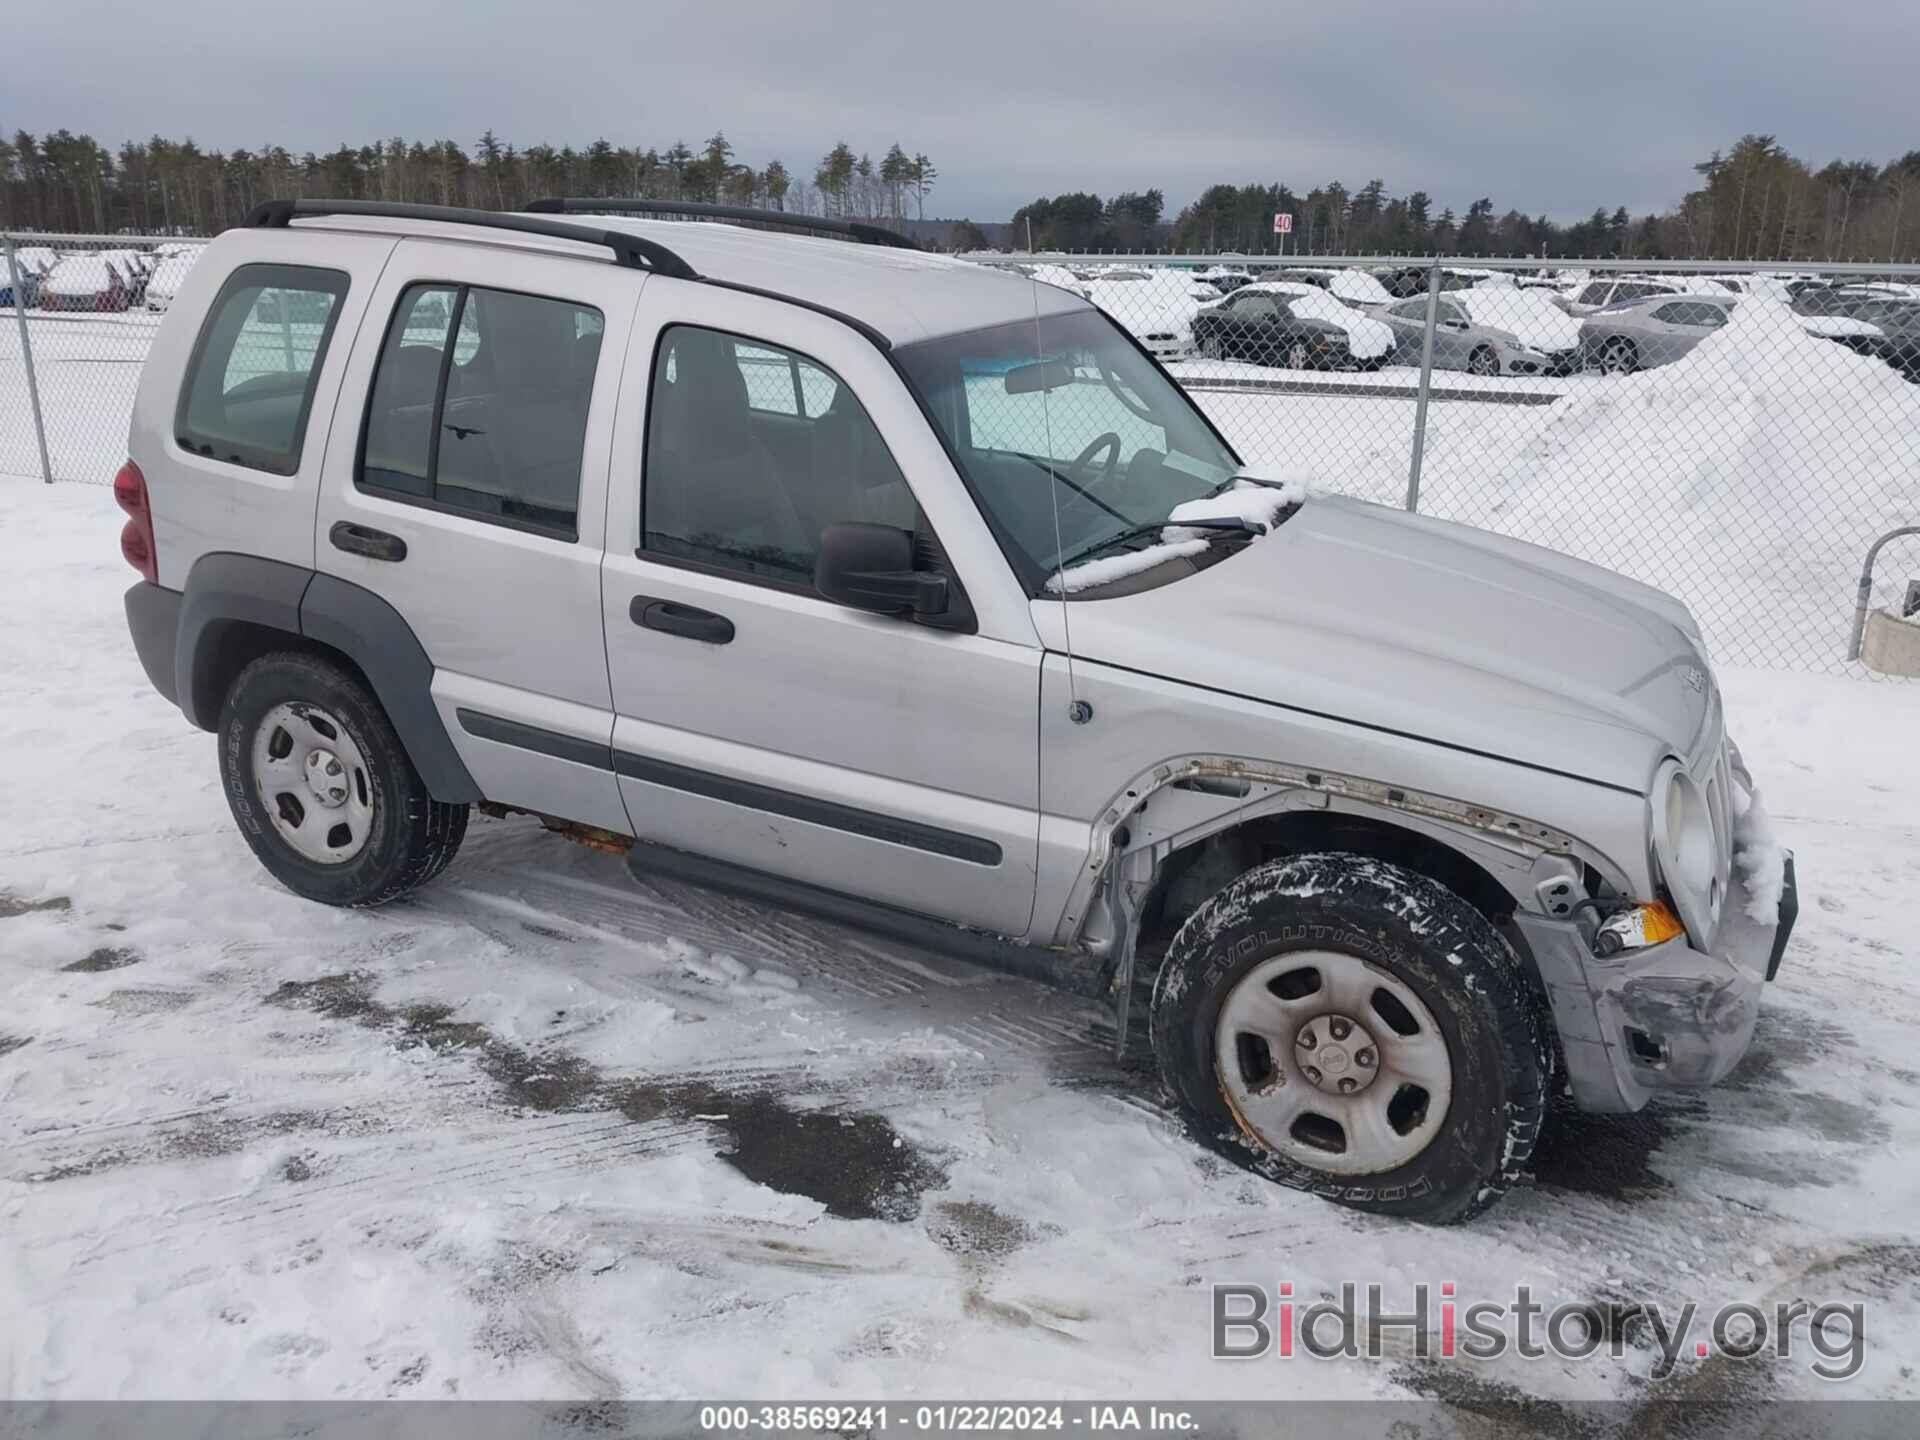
870, 567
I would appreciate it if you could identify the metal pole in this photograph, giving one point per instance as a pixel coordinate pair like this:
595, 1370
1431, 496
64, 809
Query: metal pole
1426, 386
26, 354
1863, 597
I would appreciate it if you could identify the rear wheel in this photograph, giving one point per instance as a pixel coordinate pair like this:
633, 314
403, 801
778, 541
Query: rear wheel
1352, 1028
322, 788
1620, 356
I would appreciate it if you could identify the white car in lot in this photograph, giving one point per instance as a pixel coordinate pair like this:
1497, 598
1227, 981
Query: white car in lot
1156, 305
169, 275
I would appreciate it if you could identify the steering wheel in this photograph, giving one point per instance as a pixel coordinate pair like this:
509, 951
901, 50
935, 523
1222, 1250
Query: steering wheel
1109, 442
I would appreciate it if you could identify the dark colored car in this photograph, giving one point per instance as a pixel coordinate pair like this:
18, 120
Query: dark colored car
1411, 280
1291, 325
1847, 301
1898, 342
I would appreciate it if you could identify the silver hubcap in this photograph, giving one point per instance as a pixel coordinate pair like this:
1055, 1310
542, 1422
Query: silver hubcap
312, 781
1333, 1062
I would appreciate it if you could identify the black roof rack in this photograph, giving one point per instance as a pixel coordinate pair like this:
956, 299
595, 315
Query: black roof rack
629, 250
778, 219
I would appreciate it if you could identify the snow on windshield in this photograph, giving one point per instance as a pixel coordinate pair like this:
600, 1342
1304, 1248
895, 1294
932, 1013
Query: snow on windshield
1254, 498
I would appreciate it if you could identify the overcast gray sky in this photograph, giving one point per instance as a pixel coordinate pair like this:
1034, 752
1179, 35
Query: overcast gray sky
1546, 105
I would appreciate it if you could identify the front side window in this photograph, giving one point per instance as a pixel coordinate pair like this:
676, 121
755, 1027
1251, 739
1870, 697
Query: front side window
1596, 293
479, 405
752, 451
249, 385
1069, 439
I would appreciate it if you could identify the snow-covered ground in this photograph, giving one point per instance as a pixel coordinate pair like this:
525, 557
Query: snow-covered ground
542, 1132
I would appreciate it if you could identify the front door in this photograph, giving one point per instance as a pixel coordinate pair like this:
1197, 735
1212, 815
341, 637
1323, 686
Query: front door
756, 722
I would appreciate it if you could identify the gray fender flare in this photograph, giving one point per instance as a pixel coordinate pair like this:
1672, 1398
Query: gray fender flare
227, 590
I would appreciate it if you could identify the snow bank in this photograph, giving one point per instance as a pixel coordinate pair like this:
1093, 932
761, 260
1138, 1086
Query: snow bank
1761, 465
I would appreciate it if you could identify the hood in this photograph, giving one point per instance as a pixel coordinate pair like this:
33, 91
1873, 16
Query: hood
1396, 621
1524, 315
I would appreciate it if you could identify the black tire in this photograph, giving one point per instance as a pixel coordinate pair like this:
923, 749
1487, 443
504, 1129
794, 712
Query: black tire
413, 837
1483, 362
1620, 357
1426, 938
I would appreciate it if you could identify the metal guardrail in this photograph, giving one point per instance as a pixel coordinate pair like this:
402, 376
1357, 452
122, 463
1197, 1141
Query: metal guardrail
1744, 466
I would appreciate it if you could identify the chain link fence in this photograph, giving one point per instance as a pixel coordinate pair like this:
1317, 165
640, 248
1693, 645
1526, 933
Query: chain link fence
1738, 435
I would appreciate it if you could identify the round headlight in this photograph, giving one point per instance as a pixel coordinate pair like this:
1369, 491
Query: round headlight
1683, 844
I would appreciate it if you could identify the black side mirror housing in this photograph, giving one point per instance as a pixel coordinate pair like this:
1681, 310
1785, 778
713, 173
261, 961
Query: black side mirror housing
870, 567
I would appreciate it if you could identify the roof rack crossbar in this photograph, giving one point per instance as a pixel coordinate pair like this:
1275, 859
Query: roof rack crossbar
782, 219
630, 251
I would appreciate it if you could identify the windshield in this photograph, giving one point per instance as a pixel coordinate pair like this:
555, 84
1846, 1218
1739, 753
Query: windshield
1087, 424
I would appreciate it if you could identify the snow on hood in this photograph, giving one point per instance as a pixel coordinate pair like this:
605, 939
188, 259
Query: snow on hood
1416, 625
1527, 315
1837, 325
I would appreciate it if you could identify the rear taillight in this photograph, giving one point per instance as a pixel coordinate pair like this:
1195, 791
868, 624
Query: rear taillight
136, 536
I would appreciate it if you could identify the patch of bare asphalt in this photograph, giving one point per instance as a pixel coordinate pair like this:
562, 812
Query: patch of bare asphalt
107, 957
12, 905
853, 1162
1605, 1155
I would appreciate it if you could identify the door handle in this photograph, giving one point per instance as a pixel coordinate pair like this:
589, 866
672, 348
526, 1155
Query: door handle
364, 540
672, 618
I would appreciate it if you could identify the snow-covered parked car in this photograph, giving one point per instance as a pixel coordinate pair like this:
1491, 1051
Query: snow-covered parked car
1156, 305
169, 275
985, 641
1499, 330
85, 282
1293, 325
1361, 289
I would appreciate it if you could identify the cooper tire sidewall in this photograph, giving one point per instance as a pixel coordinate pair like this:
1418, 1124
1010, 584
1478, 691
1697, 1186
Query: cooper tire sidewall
256, 693
1467, 1146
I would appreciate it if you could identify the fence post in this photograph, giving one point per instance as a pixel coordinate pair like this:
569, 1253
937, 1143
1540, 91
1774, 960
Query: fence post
26, 355
1426, 386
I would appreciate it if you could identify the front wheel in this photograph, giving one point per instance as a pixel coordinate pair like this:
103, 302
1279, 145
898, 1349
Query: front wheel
322, 788
1483, 362
1355, 1029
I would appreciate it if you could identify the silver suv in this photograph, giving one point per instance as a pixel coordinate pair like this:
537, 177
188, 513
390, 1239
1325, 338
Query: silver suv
909, 593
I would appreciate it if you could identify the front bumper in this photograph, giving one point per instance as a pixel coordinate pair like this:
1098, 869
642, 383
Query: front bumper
1667, 1017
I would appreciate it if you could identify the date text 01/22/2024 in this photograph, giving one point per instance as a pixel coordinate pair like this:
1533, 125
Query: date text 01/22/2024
964, 1418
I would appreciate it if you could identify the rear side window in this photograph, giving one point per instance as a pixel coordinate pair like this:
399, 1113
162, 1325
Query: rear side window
479, 405
249, 385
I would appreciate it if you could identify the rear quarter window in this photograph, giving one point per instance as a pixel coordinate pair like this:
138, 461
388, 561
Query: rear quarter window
249, 384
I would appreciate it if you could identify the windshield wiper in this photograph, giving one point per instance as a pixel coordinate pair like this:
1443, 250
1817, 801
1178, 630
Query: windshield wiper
1228, 524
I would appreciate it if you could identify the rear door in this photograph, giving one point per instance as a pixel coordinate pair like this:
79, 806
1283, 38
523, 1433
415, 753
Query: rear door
466, 486
758, 723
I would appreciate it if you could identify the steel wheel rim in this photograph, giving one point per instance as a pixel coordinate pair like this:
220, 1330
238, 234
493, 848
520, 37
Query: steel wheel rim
1272, 1031
313, 783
